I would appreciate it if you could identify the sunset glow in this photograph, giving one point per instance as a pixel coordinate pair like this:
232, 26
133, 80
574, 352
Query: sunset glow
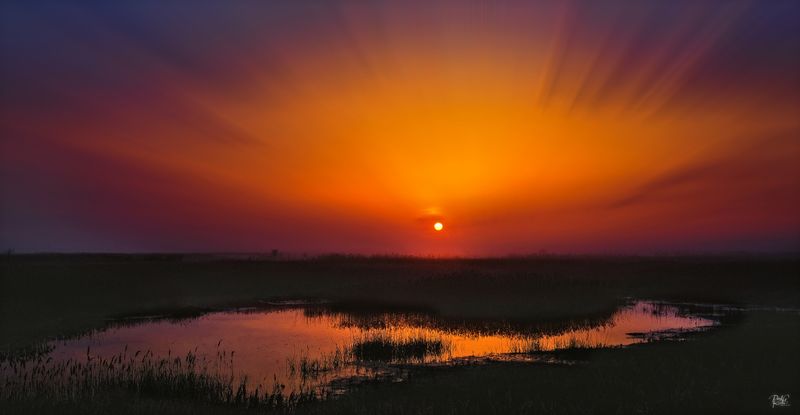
319, 127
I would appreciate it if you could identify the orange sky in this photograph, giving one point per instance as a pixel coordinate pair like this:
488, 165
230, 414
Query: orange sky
353, 127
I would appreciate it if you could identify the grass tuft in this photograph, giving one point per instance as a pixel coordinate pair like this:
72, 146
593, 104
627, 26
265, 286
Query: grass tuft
388, 348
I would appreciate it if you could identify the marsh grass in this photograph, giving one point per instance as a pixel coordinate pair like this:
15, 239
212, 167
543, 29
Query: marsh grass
388, 347
28, 352
45, 297
560, 344
29, 381
140, 373
310, 368
732, 370
368, 351
70, 295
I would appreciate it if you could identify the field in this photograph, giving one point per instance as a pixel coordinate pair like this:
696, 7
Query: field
734, 368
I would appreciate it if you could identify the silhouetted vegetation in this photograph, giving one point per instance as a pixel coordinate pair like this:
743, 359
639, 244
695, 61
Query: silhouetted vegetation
393, 349
63, 295
27, 382
732, 369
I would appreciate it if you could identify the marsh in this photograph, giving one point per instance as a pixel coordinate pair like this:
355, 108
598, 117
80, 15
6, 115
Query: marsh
325, 334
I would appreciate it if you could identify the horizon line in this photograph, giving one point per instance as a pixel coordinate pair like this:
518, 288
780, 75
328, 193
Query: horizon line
290, 256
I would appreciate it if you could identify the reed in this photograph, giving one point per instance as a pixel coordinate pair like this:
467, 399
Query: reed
192, 377
309, 368
387, 347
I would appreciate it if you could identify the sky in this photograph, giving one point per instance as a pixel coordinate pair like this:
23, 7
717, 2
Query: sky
354, 126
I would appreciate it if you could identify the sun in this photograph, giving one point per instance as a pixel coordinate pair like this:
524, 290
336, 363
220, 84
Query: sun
438, 226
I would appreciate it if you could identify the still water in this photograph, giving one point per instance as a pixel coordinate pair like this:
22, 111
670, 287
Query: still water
318, 347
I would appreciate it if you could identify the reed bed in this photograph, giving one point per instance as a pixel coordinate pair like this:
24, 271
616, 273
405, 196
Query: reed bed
198, 377
142, 374
539, 344
389, 347
309, 368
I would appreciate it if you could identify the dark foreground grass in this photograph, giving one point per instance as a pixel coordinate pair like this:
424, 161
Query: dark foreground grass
80, 382
730, 370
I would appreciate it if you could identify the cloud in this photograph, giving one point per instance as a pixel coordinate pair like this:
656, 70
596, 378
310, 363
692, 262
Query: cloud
753, 166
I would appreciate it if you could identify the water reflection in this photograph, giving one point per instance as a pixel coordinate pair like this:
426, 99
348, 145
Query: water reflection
307, 347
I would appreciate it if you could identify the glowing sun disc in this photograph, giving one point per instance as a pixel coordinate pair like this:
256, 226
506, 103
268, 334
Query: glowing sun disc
438, 226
